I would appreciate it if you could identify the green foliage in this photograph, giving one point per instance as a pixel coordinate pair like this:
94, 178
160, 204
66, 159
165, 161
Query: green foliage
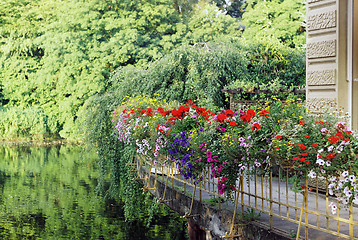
282, 20
208, 23
57, 54
16, 123
199, 73
113, 155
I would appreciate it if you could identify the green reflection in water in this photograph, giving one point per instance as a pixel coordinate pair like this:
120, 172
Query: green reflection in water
49, 193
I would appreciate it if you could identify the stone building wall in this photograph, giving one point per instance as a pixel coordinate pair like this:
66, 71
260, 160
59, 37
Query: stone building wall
327, 46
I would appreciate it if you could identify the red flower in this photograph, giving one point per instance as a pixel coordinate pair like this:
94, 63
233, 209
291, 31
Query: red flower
278, 137
264, 113
346, 140
330, 156
201, 111
221, 118
302, 122
246, 118
307, 136
143, 111
321, 122
314, 145
339, 135
233, 124
149, 112
349, 132
256, 126
303, 159
188, 103
229, 113
250, 113
304, 154
333, 139
301, 146
295, 158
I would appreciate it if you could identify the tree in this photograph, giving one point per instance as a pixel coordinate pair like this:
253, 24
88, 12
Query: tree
234, 8
279, 19
55, 54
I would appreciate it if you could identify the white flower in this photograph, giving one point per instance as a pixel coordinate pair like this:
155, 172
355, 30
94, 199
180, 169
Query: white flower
324, 130
345, 174
333, 208
345, 143
355, 200
330, 148
328, 163
332, 179
348, 194
312, 174
352, 178
320, 151
344, 201
330, 191
323, 171
320, 162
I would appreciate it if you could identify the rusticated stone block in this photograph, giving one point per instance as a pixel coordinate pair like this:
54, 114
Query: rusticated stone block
321, 21
313, 1
319, 78
321, 49
320, 104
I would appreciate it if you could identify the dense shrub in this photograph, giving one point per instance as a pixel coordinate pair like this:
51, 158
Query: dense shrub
18, 123
199, 73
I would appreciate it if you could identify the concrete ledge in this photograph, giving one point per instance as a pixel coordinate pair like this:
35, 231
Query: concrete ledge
216, 223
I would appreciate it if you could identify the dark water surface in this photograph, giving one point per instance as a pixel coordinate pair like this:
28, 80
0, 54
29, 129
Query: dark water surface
49, 193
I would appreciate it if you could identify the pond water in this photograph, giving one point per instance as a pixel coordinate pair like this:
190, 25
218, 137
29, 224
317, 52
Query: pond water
49, 193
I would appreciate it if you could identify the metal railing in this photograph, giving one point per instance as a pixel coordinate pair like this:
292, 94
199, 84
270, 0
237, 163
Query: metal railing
276, 197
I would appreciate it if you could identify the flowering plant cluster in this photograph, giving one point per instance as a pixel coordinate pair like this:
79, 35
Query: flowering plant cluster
223, 145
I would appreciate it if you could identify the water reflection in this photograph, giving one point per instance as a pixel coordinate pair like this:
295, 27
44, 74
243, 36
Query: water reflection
49, 193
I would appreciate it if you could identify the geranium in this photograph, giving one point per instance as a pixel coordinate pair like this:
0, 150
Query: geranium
264, 113
221, 118
256, 126
278, 137
226, 144
233, 124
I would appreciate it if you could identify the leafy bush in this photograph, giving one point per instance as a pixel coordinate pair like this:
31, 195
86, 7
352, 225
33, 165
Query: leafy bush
200, 73
18, 123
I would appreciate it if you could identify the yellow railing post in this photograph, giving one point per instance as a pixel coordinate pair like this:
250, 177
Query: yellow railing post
271, 217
